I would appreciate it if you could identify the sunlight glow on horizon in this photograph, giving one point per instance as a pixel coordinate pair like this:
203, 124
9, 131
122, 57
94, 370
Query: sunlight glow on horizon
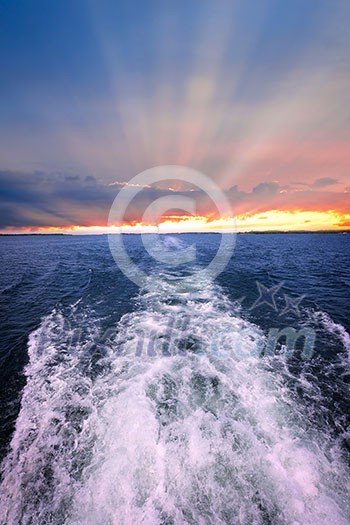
274, 220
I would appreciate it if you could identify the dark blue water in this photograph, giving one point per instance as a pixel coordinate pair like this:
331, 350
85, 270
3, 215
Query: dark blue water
159, 405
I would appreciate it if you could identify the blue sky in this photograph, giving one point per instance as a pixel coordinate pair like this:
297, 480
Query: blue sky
61, 50
248, 92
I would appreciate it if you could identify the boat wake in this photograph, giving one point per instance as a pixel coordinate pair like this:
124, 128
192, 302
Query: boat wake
169, 418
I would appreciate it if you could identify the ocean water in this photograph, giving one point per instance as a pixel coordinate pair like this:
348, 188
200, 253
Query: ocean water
159, 405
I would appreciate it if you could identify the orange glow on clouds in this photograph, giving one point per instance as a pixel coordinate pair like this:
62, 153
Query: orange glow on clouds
274, 220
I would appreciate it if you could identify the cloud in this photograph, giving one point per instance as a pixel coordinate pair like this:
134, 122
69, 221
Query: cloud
266, 188
325, 181
54, 199
41, 199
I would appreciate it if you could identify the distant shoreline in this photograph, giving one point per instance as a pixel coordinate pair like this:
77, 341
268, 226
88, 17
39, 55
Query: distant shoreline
273, 232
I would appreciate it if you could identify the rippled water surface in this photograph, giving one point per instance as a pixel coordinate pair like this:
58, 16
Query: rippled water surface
157, 405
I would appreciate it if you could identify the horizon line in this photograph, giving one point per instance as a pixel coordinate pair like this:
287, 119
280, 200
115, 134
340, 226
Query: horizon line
223, 232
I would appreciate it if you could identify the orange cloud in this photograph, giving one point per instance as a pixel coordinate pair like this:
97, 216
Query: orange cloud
274, 220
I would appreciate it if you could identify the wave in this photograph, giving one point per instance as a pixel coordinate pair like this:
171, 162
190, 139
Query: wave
169, 418
334, 328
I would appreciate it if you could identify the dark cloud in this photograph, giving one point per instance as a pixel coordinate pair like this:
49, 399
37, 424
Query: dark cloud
266, 188
39, 199
59, 200
71, 177
56, 199
323, 182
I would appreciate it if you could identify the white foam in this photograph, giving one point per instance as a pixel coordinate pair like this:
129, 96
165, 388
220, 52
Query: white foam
335, 328
205, 435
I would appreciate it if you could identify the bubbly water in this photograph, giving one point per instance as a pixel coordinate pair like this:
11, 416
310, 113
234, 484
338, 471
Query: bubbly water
168, 414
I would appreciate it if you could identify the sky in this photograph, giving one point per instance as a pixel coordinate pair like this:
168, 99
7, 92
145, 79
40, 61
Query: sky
255, 94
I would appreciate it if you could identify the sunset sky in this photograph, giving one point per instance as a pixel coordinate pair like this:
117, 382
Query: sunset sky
252, 93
